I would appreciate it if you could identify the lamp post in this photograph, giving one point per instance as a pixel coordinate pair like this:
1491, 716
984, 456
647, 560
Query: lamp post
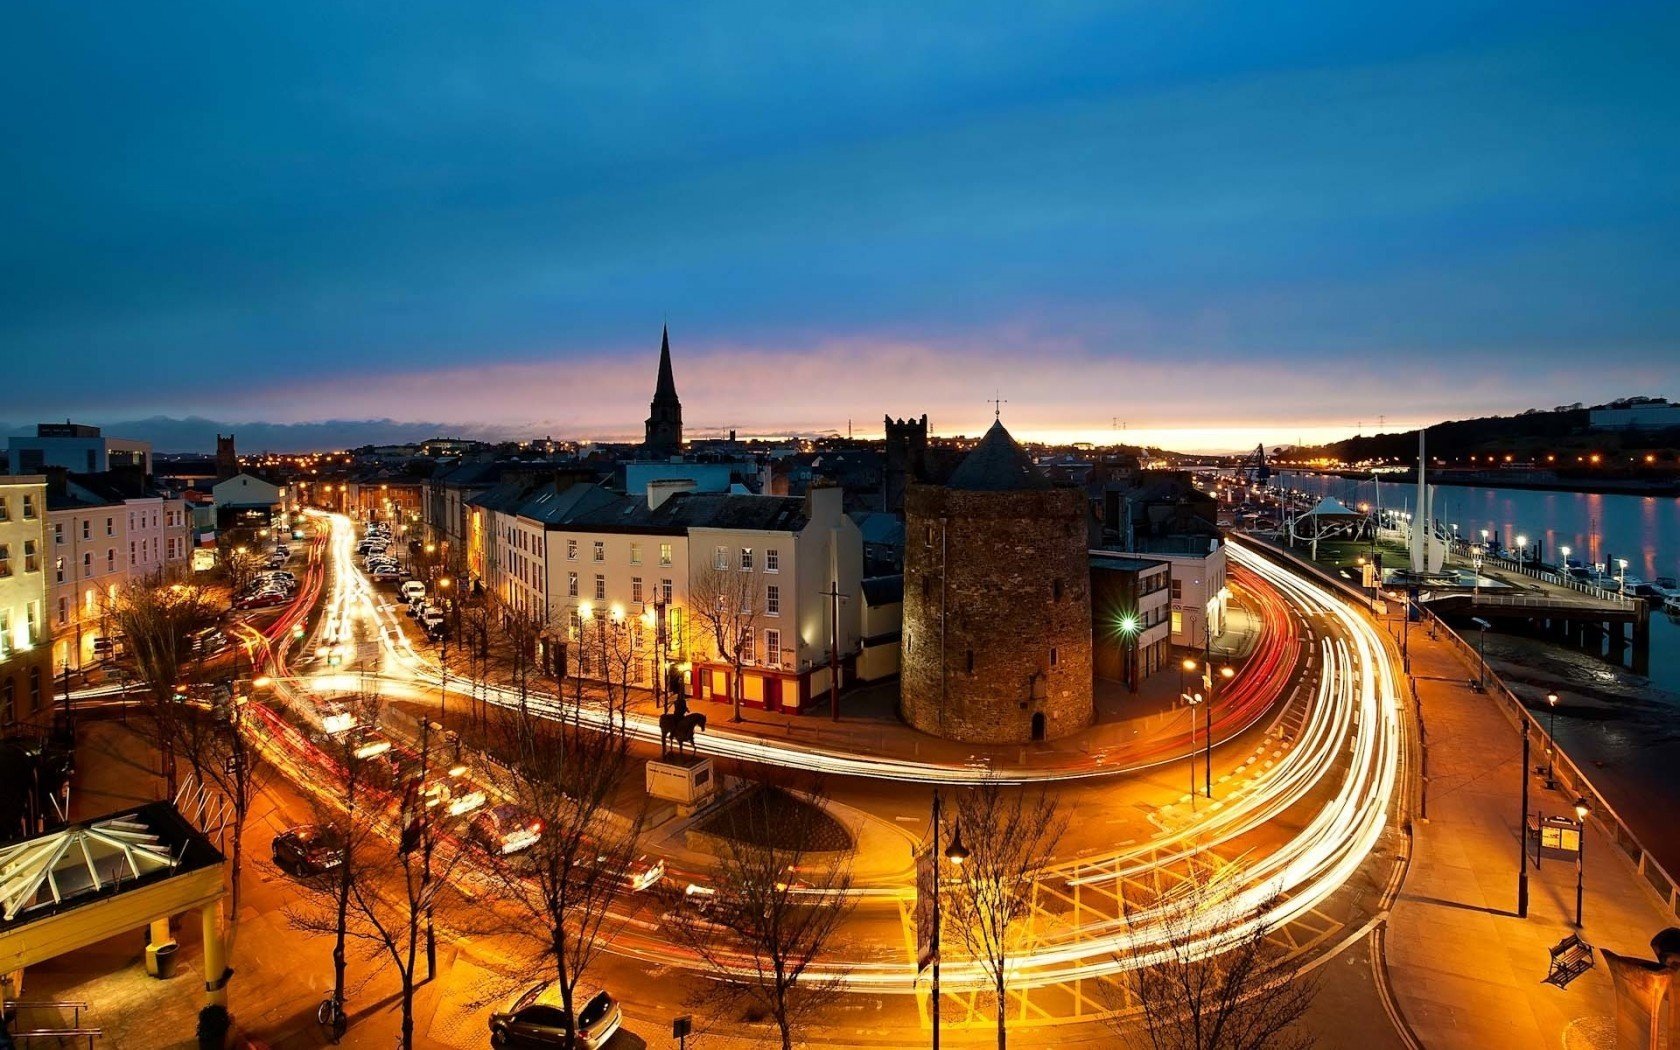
1224, 672
956, 853
1621, 576
1481, 651
1582, 808
1522, 550
1551, 740
443, 654
1191, 699
1522, 834
1565, 566
1128, 655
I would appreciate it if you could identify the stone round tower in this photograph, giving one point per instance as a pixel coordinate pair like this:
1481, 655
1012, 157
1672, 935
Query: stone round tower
997, 602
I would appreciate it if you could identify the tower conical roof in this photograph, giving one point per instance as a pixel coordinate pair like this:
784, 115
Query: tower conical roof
998, 464
666, 387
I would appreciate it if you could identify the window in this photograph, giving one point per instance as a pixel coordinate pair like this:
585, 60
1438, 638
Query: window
31, 561
28, 506
32, 622
131, 552
635, 554
772, 600
85, 523
971, 661
720, 559
773, 647
58, 533
600, 588
571, 550
58, 570
63, 611
664, 554
600, 550
7, 715
1055, 657
928, 539
636, 589
110, 526
5, 560
35, 687
746, 559
5, 512
110, 559
1177, 622
571, 585
1177, 589
1056, 591
665, 590
772, 560
746, 644
87, 563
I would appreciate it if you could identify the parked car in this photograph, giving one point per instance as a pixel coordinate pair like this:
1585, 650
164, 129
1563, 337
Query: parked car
412, 589
308, 850
536, 1018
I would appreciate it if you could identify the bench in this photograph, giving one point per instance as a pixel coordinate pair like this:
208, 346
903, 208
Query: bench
1571, 957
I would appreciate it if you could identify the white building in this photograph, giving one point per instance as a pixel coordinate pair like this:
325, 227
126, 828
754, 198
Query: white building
76, 447
25, 667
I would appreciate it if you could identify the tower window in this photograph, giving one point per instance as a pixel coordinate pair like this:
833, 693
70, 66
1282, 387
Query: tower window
1056, 590
1055, 657
971, 661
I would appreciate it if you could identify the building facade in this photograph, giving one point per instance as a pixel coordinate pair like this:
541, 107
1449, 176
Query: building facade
78, 447
997, 602
1131, 617
25, 654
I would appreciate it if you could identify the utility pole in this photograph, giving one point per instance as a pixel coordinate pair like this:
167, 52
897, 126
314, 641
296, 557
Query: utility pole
834, 599
1522, 834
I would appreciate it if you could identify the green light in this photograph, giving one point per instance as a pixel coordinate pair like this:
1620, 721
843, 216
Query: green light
1129, 624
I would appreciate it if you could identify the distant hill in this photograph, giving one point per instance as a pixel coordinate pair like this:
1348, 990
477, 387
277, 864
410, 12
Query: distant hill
1538, 436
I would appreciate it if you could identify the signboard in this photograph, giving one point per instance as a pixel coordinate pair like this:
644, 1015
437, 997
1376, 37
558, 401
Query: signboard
1561, 834
927, 885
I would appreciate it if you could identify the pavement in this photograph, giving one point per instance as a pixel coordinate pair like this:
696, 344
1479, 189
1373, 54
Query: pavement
1466, 971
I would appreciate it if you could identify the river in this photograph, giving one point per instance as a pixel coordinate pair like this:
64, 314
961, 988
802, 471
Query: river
1624, 727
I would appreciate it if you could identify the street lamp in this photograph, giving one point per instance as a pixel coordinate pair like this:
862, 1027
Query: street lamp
1551, 740
956, 853
1191, 699
1582, 808
1226, 673
1481, 681
1522, 550
1128, 631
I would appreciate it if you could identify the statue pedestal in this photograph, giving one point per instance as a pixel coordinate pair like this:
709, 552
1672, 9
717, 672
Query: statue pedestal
687, 780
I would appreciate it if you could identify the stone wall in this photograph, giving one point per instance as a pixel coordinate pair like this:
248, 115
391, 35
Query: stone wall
1009, 572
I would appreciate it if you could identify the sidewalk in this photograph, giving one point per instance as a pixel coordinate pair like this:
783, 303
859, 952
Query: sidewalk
1466, 971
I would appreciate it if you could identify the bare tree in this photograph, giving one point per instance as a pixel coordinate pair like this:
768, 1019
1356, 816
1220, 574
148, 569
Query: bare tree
215, 738
566, 885
397, 890
238, 557
158, 620
1209, 976
326, 906
775, 914
1009, 834
726, 603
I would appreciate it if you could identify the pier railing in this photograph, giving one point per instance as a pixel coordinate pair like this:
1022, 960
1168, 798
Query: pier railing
1565, 771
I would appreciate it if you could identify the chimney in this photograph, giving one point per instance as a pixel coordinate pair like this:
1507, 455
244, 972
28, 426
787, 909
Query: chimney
660, 491
823, 501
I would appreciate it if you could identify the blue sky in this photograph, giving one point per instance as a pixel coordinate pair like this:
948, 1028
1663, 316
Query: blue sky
1209, 220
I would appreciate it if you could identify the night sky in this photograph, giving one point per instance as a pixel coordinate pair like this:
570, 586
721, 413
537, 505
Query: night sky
1218, 223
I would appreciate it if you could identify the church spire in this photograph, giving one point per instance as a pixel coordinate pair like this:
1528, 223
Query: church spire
664, 422
667, 384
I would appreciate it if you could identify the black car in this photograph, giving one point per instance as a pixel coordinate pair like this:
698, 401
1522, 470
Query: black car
536, 1019
308, 850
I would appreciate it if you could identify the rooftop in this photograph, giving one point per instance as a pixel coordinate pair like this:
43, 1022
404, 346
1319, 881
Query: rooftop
998, 464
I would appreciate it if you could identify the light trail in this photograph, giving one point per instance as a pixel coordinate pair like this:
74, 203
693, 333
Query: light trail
1350, 741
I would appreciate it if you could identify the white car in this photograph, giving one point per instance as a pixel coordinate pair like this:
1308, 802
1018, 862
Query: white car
413, 589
